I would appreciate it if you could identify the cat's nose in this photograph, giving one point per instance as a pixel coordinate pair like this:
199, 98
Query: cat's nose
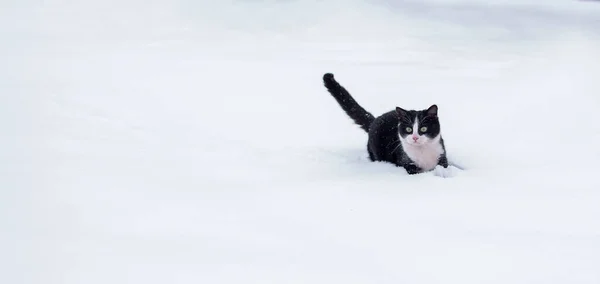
415, 138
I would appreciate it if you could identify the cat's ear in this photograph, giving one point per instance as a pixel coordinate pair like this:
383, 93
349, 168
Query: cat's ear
432, 111
401, 112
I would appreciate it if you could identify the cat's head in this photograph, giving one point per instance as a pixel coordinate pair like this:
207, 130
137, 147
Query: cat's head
418, 127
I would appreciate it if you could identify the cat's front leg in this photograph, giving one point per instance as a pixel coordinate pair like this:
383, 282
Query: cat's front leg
443, 161
412, 169
442, 169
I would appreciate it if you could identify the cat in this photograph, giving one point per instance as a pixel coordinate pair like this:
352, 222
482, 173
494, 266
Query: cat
410, 139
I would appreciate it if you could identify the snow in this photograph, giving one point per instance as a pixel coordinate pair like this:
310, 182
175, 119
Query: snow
193, 142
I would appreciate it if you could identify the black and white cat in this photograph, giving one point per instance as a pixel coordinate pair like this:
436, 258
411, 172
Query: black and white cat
407, 138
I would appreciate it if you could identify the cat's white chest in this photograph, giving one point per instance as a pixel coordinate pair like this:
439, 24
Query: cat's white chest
424, 156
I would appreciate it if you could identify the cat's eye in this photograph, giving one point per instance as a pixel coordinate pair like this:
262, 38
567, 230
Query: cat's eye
408, 129
423, 129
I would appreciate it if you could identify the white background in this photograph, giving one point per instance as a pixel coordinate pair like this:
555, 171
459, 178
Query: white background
194, 142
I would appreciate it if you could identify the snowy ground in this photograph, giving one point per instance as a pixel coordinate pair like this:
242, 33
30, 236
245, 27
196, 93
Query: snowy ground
190, 142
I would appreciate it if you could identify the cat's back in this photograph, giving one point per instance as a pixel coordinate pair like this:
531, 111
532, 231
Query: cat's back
383, 138
385, 123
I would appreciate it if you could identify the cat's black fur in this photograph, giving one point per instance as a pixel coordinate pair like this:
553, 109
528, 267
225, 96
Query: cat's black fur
384, 143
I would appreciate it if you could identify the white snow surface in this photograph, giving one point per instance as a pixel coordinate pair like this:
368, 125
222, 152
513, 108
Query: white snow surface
193, 142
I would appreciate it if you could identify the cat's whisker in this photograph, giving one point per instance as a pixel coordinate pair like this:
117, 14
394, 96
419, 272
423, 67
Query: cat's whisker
397, 147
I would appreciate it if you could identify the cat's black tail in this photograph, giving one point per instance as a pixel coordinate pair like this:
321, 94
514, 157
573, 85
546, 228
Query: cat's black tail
348, 104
